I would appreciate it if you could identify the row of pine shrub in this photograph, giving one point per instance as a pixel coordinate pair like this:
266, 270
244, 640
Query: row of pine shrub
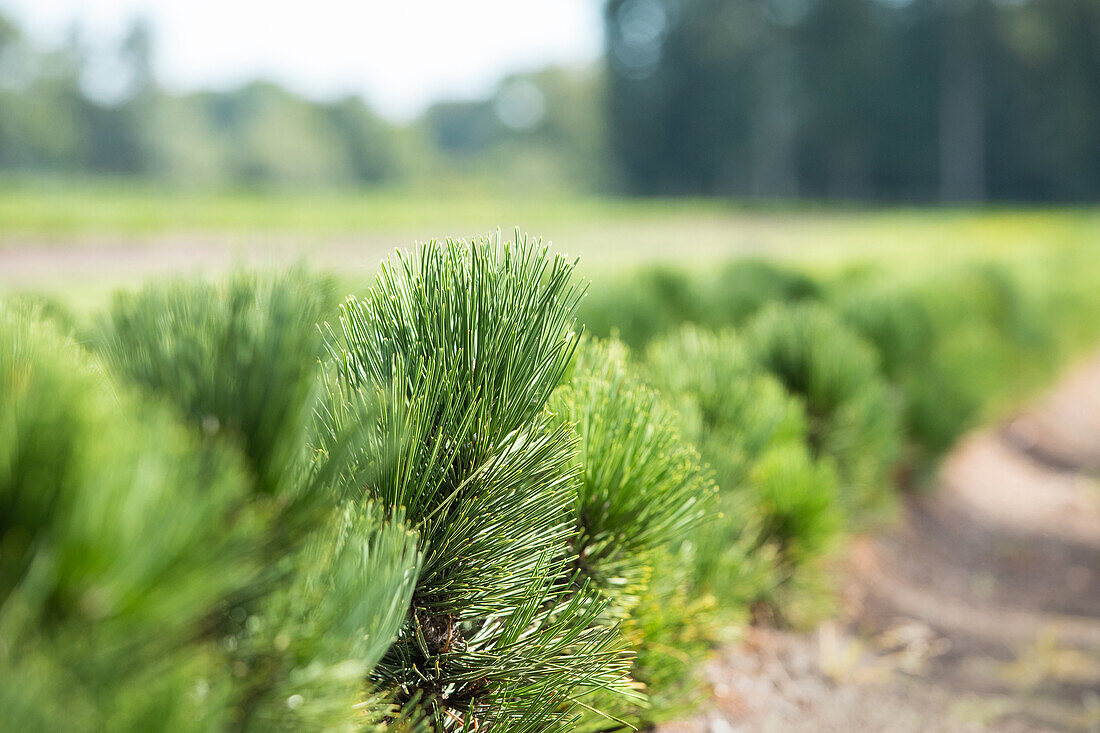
474, 497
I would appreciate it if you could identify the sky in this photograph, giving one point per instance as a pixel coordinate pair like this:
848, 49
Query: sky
400, 55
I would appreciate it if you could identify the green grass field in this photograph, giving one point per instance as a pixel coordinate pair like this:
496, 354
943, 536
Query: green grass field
128, 208
83, 239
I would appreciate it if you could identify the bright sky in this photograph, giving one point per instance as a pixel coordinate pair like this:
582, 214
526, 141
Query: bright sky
399, 54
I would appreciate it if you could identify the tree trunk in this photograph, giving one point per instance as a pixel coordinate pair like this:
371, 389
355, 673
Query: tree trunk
774, 127
962, 108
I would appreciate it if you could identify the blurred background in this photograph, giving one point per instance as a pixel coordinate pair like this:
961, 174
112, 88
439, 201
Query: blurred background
871, 100
617, 126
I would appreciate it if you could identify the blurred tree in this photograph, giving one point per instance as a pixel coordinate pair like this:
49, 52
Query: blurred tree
540, 130
275, 137
916, 100
366, 140
962, 101
137, 54
869, 99
1043, 92
82, 110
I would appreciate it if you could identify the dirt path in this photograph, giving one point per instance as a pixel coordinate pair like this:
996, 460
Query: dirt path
979, 611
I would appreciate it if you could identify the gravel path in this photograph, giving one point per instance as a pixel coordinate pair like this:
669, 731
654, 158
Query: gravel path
978, 611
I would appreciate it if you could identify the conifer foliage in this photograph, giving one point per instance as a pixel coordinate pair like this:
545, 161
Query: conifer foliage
115, 548
461, 347
853, 415
778, 504
732, 410
239, 361
643, 495
237, 357
643, 485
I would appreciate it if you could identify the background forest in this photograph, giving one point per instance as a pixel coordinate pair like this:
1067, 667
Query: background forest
877, 100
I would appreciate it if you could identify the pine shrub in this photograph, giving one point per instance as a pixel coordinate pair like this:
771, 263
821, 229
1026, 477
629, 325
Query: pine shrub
239, 362
462, 347
642, 305
442, 513
642, 496
134, 583
744, 286
853, 415
674, 627
237, 358
993, 341
643, 487
896, 323
743, 416
116, 546
798, 504
731, 408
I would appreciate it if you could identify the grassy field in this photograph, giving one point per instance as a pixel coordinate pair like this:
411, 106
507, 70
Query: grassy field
83, 240
126, 208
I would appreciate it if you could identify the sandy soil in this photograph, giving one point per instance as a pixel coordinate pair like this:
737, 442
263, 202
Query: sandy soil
978, 611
